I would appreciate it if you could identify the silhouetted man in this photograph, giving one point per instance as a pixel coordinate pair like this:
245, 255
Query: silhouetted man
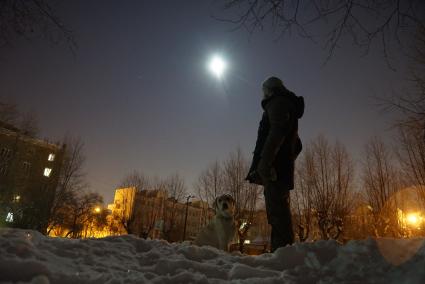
276, 149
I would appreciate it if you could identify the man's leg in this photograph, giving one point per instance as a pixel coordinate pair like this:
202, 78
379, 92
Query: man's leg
278, 215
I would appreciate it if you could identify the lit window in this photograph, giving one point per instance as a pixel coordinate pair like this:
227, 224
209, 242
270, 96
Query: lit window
9, 217
51, 157
47, 172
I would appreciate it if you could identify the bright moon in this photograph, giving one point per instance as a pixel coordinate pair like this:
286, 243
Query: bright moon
217, 66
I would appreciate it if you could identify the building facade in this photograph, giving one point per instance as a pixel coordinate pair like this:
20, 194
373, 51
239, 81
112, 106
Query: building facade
151, 213
29, 174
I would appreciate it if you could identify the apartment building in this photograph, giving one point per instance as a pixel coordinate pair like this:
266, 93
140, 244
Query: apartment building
152, 213
29, 174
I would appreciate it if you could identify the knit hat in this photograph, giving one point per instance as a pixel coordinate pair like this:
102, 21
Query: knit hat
273, 83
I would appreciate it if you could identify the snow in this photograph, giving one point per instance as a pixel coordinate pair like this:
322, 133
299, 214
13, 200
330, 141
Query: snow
29, 257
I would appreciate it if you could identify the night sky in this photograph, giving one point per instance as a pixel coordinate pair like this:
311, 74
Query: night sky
139, 94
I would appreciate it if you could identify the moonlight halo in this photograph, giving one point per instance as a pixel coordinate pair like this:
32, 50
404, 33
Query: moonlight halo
217, 65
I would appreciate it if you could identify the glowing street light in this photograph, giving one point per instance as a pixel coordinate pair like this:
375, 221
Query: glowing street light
413, 219
97, 209
217, 66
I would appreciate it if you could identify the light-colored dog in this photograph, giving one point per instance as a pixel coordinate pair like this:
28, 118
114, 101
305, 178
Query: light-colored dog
221, 230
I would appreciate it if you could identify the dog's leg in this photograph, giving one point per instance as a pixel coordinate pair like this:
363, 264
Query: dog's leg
221, 240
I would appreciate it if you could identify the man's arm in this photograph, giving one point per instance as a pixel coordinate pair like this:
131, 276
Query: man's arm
259, 144
279, 116
263, 129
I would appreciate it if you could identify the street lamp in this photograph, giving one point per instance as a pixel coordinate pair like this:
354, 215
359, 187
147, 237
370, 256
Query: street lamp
185, 217
414, 219
97, 210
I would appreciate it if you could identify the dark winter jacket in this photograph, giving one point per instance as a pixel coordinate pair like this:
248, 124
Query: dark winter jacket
278, 143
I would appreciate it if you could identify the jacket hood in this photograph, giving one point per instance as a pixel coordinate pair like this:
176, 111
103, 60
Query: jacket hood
297, 101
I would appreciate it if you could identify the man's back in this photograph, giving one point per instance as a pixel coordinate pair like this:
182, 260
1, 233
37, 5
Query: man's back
289, 108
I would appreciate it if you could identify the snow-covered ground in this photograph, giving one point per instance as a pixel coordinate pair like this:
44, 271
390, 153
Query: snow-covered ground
27, 256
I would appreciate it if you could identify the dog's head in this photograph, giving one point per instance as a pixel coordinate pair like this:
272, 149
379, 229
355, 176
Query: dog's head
224, 205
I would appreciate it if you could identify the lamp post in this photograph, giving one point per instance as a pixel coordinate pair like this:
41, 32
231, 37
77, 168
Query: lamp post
185, 217
96, 211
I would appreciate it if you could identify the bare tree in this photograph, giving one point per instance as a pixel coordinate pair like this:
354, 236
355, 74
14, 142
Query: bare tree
176, 190
364, 22
344, 178
175, 187
97, 223
72, 181
137, 180
9, 112
327, 172
26, 123
411, 104
31, 19
301, 200
210, 185
29, 124
80, 211
244, 193
381, 182
411, 154
411, 124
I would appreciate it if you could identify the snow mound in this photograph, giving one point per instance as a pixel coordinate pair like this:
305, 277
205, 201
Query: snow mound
27, 256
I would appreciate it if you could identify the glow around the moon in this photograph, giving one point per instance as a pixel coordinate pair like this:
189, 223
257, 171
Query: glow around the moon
217, 66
